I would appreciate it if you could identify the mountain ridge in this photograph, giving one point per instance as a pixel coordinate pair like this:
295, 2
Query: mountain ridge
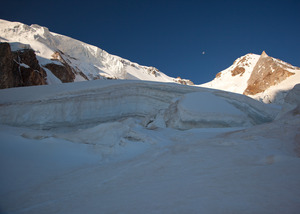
62, 59
65, 59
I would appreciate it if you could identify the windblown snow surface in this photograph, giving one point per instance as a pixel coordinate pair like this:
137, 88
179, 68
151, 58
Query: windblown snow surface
144, 147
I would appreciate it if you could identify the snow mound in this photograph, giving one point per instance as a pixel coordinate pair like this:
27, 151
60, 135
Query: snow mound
203, 109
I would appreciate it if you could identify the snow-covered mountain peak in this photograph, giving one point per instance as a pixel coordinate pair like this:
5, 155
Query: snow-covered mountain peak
65, 59
239, 72
243, 64
260, 76
266, 73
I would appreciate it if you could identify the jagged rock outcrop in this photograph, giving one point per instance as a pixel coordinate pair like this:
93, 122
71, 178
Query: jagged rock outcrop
19, 68
267, 72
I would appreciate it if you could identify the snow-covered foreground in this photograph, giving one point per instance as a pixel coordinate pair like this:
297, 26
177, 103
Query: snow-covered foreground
148, 162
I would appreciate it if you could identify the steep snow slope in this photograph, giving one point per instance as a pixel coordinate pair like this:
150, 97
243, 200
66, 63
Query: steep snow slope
260, 77
56, 53
234, 78
128, 166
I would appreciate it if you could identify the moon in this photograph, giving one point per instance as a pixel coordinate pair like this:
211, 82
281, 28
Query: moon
203, 52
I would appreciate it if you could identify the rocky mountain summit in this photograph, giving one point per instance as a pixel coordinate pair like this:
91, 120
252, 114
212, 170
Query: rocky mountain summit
259, 76
266, 73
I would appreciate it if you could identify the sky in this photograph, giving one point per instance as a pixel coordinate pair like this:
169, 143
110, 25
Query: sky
191, 39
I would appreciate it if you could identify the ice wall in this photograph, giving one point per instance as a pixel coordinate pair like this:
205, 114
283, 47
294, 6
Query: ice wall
101, 101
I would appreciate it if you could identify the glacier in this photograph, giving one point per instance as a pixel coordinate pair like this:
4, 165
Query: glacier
146, 147
99, 101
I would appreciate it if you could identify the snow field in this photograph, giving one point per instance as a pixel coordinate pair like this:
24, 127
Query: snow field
212, 170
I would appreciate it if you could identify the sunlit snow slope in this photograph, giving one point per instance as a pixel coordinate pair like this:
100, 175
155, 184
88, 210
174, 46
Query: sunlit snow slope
58, 54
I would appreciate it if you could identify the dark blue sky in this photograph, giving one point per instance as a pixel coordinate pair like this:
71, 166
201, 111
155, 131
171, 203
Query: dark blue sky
171, 35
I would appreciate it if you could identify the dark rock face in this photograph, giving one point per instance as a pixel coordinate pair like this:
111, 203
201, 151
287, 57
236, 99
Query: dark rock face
9, 72
19, 68
267, 72
32, 74
64, 72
